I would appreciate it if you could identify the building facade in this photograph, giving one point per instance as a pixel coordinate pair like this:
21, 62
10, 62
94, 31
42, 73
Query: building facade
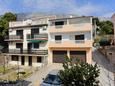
49, 40
113, 20
70, 37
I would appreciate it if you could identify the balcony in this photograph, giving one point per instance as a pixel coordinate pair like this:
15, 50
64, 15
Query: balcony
71, 28
37, 37
14, 38
28, 23
71, 44
37, 52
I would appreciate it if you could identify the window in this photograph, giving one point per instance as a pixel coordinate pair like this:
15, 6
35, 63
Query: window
58, 38
79, 37
59, 23
39, 59
19, 45
14, 58
35, 31
35, 45
19, 32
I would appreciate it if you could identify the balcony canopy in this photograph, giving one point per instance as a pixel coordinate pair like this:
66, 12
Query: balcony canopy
35, 41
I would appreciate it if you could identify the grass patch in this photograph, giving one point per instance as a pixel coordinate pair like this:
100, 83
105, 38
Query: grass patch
2, 69
13, 75
26, 73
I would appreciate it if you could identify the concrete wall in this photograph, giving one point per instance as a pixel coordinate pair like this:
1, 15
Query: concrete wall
34, 62
88, 53
25, 42
69, 36
113, 20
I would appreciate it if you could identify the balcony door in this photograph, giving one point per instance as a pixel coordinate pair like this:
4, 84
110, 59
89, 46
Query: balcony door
30, 60
29, 47
19, 33
34, 31
22, 60
20, 47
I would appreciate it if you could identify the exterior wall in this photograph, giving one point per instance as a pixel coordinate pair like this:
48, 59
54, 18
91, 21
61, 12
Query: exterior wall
71, 28
68, 33
70, 36
21, 25
113, 20
12, 32
12, 45
34, 62
25, 32
88, 53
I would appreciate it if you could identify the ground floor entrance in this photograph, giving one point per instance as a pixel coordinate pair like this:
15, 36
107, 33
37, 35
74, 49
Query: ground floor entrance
58, 55
33, 61
22, 60
30, 61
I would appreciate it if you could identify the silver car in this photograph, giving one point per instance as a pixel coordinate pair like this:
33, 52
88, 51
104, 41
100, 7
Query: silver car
52, 79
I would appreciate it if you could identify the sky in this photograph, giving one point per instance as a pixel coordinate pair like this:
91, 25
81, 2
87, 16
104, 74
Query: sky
101, 8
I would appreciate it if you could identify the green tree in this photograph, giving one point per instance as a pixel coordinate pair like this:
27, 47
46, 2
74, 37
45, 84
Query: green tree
79, 74
4, 24
9, 17
106, 27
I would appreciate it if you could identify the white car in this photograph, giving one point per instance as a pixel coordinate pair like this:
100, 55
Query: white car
52, 79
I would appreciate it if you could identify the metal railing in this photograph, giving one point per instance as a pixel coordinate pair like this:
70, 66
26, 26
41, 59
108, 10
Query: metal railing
19, 51
13, 37
79, 41
37, 36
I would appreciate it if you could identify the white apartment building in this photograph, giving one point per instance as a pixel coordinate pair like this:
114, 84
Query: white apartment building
28, 42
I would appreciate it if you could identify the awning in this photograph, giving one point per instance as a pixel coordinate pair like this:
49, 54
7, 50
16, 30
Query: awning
35, 41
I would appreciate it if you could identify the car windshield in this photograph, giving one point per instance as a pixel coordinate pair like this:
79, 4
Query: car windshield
52, 79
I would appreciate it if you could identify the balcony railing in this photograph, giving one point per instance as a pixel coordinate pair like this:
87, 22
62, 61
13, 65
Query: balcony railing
13, 38
79, 41
75, 41
37, 36
18, 51
28, 23
70, 44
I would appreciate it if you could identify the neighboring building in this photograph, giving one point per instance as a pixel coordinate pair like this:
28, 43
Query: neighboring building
70, 37
49, 40
113, 20
28, 42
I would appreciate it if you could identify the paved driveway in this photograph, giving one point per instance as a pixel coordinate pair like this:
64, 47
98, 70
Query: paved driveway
37, 77
106, 77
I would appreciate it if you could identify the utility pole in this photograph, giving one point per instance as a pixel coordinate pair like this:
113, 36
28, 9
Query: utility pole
95, 27
4, 63
18, 68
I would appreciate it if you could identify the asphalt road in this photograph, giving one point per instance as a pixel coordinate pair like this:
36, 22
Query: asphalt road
106, 77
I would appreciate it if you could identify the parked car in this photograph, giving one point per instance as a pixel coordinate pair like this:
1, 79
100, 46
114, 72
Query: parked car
52, 79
